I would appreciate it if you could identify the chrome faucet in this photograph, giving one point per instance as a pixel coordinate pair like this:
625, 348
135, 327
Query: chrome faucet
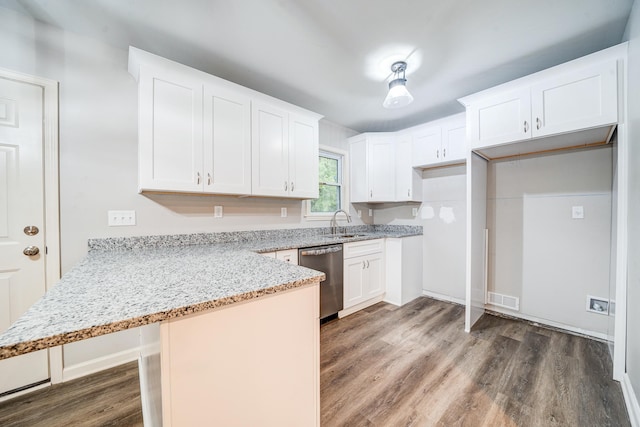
334, 223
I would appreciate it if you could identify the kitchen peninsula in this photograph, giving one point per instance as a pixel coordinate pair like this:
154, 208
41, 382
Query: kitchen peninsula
228, 323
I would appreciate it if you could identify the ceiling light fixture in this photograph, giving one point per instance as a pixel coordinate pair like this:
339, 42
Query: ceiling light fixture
398, 95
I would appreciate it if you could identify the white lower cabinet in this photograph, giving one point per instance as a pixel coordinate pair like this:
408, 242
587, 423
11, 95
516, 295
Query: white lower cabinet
288, 255
403, 265
364, 274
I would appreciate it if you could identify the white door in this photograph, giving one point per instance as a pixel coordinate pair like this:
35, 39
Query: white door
358, 179
374, 276
170, 128
269, 151
22, 277
500, 119
303, 157
227, 142
354, 281
382, 170
426, 145
454, 141
578, 100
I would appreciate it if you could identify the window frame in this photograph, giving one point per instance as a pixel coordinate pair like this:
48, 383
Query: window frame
343, 158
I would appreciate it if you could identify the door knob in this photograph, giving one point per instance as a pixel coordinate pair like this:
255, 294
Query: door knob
31, 230
31, 251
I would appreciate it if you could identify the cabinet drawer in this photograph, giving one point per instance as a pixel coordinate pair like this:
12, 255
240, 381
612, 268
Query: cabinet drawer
363, 248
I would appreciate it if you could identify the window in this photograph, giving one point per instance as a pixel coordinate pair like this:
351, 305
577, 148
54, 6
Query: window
330, 179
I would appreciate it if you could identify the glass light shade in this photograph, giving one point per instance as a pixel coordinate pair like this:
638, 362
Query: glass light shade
398, 95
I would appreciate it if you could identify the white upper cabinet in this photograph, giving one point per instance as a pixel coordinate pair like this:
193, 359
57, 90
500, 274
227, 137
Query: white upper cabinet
427, 142
579, 99
270, 145
501, 118
202, 134
285, 153
227, 142
303, 157
438, 143
408, 179
170, 131
372, 168
550, 107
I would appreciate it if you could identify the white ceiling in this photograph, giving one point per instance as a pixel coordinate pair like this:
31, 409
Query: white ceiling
332, 56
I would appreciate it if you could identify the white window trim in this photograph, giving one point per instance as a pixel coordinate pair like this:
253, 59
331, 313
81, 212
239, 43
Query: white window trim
326, 216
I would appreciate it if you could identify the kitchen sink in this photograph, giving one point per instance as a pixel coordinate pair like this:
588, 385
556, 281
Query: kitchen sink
343, 236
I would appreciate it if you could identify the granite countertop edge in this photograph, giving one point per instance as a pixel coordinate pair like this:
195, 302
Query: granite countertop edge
17, 341
20, 348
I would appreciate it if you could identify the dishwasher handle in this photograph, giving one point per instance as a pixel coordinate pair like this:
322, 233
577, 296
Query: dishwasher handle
321, 251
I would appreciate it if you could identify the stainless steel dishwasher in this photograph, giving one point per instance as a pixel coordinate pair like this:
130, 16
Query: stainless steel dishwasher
327, 259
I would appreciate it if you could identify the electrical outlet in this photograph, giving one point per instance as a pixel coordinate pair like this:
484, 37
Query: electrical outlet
370, 212
359, 213
283, 212
217, 211
577, 212
120, 218
414, 211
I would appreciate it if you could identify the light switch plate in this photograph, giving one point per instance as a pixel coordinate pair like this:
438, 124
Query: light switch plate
120, 218
217, 211
577, 212
370, 212
359, 213
283, 212
414, 211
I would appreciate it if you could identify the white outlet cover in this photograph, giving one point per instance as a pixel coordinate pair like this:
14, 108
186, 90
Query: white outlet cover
370, 212
217, 211
414, 211
121, 218
577, 212
359, 213
283, 212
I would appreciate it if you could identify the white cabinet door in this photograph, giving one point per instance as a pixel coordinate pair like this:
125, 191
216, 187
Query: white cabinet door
358, 179
581, 99
381, 169
270, 150
354, 281
170, 131
427, 141
374, 276
303, 157
408, 180
500, 119
227, 142
289, 255
454, 140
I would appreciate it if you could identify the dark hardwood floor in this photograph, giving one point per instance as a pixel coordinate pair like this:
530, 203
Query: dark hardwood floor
108, 398
409, 366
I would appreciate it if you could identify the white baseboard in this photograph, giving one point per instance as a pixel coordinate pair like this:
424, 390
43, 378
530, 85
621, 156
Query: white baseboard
99, 364
358, 307
579, 331
631, 400
442, 297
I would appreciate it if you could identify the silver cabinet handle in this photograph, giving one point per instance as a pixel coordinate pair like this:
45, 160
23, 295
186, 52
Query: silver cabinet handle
370, 193
409, 192
291, 185
285, 186
437, 154
31, 251
538, 123
526, 127
208, 179
363, 265
444, 152
198, 178
367, 263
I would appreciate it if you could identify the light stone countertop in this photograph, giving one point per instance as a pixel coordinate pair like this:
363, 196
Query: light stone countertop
129, 282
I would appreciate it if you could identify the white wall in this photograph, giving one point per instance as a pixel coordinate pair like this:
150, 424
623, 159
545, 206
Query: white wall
443, 217
632, 34
538, 253
98, 156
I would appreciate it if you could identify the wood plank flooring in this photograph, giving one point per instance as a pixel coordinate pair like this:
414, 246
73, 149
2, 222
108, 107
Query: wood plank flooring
415, 366
408, 366
107, 398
